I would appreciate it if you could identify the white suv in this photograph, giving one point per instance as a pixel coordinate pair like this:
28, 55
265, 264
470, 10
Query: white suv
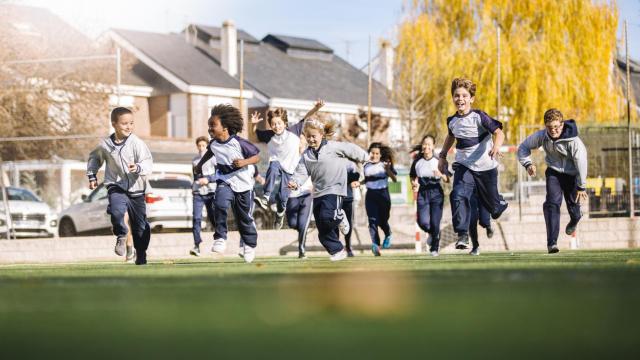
30, 216
169, 204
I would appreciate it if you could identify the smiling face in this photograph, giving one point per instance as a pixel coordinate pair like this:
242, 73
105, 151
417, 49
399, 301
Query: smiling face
427, 147
216, 130
123, 126
314, 137
374, 155
462, 100
277, 125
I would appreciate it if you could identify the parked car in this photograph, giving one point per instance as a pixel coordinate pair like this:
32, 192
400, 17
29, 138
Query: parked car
30, 216
169, 207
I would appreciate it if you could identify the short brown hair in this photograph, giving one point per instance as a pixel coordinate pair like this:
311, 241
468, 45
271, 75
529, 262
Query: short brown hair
202, 138
552, 115
119, 111
278, 112
463, 83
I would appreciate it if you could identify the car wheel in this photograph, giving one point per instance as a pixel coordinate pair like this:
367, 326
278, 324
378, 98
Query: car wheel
67, 228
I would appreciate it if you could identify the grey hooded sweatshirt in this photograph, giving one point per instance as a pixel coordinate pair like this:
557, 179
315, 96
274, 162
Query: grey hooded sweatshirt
117, 158
327, 167
566, 155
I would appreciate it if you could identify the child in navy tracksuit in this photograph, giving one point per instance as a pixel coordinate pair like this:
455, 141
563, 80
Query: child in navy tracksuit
204, 191
566, 174
347, 204
283, 142
475, 165
377, 200
325, 162
299, 207
425, 178
234, 190
128, 163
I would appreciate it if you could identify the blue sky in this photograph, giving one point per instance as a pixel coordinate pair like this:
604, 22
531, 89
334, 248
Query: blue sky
344, 25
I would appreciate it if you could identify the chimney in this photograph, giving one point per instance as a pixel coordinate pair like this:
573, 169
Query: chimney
386, 64
229, 39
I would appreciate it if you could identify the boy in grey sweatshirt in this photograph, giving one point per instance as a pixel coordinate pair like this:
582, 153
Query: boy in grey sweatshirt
566, 174
128, 163
326, 163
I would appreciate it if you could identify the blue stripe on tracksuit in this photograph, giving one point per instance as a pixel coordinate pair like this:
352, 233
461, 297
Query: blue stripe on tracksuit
429, 207
378, 205
298, 217
241, 203
327, 211
465, 183
119, 203
347, 207
274, 172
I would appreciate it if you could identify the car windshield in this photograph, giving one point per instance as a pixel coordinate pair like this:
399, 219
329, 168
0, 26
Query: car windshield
170, 184
19, 195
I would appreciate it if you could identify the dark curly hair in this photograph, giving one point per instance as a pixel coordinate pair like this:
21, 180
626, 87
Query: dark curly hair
386, 153
278, 112
230, 117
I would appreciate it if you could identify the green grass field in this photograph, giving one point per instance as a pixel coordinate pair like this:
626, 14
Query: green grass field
583, 304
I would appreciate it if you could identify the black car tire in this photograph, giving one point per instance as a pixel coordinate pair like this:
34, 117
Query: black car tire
67, 228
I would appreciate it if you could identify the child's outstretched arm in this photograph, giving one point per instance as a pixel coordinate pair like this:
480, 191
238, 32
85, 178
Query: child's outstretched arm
352, 152
497, 143
144, 164
317, 106
579, 155
443, 165
299, 176
240, 163
534, 141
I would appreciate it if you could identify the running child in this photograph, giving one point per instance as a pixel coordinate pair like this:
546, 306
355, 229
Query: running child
298, 212
283, 142
347, 204
204, 192
128, 163
425, 178
325, 161
234, 178
475, 166
566, 174
377, 200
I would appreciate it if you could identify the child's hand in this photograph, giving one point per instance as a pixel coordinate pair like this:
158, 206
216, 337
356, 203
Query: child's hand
93, 184
319, 103
415, 186
239, 163
132, 168
255, 118
355, 184
203, 181
443, 165
292, 185
495, 153
260, 179
581, 196
531, 170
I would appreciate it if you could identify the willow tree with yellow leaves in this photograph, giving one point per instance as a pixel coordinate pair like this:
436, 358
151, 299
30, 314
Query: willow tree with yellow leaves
553, 54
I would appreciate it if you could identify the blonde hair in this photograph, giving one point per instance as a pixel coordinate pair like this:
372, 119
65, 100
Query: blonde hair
326, 127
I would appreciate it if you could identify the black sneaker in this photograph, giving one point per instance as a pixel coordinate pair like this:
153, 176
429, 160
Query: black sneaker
489, 232
195, 251
350, 253
553, 249
302, 255
571, 228
503, 206
463, 242
141, 258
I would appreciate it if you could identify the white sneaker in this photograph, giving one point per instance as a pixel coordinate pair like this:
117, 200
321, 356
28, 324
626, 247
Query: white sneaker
344, 226
435, 253
249, 254
341, 255
475, 252
219, 246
